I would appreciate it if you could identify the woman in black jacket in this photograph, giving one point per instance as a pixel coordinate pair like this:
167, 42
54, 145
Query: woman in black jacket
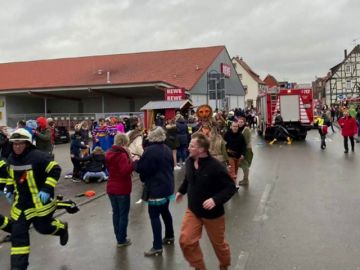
155, 167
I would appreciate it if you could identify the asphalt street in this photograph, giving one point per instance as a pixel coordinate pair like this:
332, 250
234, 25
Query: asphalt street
300, 211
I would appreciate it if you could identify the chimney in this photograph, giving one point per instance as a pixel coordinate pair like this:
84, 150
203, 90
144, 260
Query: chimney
345, 53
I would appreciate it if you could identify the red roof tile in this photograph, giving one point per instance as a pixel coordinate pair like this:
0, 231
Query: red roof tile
180, 68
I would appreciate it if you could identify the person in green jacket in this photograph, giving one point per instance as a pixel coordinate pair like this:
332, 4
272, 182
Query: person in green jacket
246, 162
43, 136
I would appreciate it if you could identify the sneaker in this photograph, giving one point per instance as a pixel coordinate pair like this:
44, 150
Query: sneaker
64, 236
168, 241
68, 176
76, 180
139, 201
243, 182
346, 151
177, 167
126, 243
101, 179
153, 252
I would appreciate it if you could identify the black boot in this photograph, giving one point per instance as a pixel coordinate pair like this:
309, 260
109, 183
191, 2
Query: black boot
64, 236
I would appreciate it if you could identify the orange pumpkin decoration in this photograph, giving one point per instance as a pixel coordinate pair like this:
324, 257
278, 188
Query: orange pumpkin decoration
204, 112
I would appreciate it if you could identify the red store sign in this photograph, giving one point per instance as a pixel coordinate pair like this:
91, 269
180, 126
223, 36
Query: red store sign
225, 69
172, 94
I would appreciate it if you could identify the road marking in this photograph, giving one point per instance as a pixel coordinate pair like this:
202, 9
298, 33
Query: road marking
242, 260
261, 214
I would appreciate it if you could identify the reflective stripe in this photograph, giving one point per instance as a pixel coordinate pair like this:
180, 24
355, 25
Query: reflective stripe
41, 212
50, 166
58, 224
15, 212
20, 250
51, 181
33, 189
64, 204
21, 168
4, 180
10, 181
2, 163
6, 222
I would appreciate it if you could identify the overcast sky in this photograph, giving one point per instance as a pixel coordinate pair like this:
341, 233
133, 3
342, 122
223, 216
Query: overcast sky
291, 40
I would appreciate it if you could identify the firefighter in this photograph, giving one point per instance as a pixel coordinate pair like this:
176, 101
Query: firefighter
280, 131
5, 222
31, 183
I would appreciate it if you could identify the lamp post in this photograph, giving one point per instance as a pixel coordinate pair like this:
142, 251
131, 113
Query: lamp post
215, 82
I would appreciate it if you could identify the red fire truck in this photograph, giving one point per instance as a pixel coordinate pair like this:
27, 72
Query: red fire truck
296, 108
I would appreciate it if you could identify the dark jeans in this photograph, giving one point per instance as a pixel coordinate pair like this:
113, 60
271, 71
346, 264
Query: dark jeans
323, 138
351, 142
120, 206
76, 167
181, 153
154, 213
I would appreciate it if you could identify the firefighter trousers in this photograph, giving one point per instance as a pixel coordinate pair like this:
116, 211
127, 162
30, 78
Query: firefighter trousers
20, 238
5, 224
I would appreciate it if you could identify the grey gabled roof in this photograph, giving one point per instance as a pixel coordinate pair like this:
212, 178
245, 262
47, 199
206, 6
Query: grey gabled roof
165, 104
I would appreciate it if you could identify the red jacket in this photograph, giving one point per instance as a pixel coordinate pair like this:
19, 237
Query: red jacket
120, 167
348, 126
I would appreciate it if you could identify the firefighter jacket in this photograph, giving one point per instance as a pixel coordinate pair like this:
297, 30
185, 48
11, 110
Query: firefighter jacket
3, 174
29, 173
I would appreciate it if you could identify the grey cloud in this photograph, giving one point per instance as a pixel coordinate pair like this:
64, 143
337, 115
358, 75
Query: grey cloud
293, 40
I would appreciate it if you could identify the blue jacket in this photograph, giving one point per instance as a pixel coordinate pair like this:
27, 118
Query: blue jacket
75, 145
183, 132
156, 169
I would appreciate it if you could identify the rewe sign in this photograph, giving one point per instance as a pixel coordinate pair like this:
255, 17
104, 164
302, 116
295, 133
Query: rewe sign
172, 94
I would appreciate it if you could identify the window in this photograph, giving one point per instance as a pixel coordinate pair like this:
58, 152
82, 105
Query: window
348, 68
348, 85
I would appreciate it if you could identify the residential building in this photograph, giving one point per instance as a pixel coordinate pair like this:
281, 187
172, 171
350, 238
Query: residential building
251, 81
344, 80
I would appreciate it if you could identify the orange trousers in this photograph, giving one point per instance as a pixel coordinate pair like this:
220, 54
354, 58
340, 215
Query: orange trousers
190, 234
234, 166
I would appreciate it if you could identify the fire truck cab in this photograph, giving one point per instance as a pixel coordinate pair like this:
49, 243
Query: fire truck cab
295, 106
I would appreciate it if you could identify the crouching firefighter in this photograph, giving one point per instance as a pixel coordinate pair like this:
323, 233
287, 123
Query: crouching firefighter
32, 179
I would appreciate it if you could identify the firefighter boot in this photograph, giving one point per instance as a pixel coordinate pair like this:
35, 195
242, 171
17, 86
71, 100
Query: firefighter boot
273, 141
289, 141
64, 236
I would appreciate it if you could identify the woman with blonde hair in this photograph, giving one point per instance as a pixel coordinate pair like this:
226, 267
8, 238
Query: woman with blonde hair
120, 167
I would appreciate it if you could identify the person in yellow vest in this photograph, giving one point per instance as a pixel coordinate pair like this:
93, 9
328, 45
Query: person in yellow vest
323, 129
33, 176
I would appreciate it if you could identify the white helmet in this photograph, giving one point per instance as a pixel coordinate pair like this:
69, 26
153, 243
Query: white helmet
21, 134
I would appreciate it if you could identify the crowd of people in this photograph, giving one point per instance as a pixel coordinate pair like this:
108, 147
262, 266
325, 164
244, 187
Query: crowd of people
209, 146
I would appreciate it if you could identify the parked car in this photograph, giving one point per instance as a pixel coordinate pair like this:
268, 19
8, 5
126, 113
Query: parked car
61, 135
